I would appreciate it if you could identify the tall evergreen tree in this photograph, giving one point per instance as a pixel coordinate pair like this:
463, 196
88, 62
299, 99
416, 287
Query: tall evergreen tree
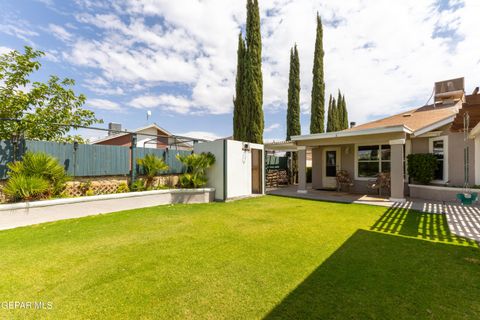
339, 113
293, 106
317, 117
253, 86
239, 120
330, 115
344, 113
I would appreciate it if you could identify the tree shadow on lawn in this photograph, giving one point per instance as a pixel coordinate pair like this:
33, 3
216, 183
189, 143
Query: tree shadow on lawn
390, 272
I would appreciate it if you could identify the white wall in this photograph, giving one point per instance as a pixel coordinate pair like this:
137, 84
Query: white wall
215, 173
239, 169
142, 139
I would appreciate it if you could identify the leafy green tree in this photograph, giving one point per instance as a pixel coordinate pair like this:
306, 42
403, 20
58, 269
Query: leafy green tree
239, 110
317, 116
253, 86
293, 105
39, 107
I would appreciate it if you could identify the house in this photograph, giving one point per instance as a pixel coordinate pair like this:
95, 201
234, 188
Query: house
151, 136
383, 145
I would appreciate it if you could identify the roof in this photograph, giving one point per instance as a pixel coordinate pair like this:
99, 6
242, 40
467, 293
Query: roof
113, 136
415, 119
472, 106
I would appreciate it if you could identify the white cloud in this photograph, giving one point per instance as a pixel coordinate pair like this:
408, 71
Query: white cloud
4, 50
272, 127
19, 29
200, 135
383, 55
165, 102
60, 32
104, 104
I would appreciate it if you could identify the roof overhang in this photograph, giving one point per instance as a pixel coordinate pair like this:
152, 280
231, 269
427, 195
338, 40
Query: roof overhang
352, 133
475, 131
434, 126
281, 146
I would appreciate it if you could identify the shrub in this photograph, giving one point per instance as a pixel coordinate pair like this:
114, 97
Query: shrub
123, 188
28, 177
86, 188
138, 185
151, 166
421, 167
22, 187
196, 165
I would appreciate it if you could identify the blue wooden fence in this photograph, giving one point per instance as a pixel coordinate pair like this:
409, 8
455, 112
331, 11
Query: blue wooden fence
89, 160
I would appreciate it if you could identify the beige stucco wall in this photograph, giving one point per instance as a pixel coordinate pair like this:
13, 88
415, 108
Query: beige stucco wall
455, 156
347, 163
456, 146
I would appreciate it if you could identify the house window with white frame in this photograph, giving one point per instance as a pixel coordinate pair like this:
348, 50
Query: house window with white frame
372, 159
439, 146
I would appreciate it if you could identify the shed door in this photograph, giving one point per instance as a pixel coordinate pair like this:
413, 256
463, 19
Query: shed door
256, 171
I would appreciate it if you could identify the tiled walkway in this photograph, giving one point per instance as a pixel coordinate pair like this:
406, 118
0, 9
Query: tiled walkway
463, 221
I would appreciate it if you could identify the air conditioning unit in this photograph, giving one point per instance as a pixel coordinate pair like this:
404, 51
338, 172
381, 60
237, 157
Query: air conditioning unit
114, 128
450, 91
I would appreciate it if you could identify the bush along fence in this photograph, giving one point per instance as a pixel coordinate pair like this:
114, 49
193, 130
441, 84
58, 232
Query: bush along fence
84, 160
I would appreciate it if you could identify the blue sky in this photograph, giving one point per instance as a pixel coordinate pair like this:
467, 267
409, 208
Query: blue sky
177, 58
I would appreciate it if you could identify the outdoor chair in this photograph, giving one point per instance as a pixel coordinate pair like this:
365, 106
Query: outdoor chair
382, 182
344, 179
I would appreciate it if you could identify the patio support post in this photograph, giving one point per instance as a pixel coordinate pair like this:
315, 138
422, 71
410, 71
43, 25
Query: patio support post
396, 170
302, 169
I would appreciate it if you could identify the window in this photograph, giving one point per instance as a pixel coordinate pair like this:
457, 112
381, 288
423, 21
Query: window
372, 160
438, 146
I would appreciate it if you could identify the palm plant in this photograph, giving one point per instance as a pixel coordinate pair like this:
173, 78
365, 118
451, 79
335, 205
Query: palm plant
33, 167
151, 165
21, 187
196, 165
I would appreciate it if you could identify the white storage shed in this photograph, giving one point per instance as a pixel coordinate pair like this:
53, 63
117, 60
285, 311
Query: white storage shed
239, 169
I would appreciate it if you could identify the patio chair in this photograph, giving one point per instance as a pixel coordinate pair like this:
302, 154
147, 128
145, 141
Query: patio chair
343, 179
382, 182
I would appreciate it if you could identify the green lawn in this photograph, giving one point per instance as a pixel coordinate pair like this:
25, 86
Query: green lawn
269, 257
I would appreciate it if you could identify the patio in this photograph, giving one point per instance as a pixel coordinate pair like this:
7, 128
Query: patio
462, 220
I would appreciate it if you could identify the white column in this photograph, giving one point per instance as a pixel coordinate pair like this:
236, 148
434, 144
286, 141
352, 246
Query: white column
396, 170
477, 160
302, 170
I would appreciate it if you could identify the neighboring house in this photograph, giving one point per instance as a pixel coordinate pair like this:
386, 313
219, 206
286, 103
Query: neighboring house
151, 136
383, 145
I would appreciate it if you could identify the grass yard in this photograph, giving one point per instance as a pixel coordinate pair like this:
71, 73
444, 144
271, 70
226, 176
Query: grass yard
268, 257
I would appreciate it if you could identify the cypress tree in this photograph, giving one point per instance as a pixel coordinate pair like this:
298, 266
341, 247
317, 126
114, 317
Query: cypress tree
253, 86
339, 113
317, 116
330, 115
293, 105
239, 121
344, 113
